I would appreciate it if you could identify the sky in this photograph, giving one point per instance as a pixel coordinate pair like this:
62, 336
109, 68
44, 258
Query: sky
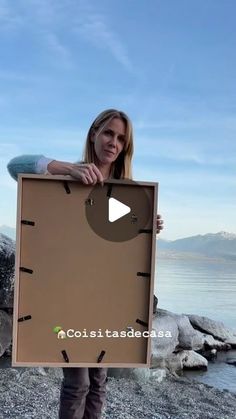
170, 65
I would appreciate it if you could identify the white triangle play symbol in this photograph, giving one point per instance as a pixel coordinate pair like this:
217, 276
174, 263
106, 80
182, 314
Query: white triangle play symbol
117, 210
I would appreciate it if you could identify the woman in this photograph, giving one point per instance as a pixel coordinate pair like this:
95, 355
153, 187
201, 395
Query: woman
108, 154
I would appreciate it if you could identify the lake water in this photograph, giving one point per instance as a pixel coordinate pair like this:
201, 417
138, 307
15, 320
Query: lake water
206, 288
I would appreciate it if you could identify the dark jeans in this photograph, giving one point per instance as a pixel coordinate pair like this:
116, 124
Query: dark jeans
83, 393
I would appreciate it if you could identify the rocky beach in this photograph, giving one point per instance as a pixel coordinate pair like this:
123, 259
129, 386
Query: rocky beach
34, 393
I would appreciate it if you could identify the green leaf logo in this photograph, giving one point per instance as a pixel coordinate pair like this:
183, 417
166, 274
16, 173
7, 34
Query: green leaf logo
57, 329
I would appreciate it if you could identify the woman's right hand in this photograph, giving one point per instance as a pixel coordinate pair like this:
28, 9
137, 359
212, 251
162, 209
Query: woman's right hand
87, 173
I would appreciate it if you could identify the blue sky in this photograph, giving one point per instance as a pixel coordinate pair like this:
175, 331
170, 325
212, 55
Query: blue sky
170, 65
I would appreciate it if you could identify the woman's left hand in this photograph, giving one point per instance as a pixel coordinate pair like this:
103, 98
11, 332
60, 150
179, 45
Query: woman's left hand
160, 224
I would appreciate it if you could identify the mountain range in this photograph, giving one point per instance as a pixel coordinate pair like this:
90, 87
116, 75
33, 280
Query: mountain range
212, 245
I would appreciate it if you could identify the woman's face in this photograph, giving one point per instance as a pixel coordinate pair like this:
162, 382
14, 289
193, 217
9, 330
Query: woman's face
109, 142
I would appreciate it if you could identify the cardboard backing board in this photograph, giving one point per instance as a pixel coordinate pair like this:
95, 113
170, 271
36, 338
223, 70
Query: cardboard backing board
68, 276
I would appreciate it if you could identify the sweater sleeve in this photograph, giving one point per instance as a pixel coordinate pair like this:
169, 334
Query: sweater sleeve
42, 165
27, 163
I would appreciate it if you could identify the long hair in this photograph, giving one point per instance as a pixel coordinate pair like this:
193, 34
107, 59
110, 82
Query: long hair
121, 167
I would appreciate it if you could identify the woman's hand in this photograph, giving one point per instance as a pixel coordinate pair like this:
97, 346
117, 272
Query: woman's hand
160, 224
87, 173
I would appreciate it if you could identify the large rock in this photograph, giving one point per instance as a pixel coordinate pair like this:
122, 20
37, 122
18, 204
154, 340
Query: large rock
188, 336
7, 268
5, 331
166, 331
214, 328
210, 342
192, 360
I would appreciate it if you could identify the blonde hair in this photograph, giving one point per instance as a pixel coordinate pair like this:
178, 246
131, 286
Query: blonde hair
121, 167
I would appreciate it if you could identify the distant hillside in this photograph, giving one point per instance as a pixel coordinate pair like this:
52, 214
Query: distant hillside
218, 245
8, 231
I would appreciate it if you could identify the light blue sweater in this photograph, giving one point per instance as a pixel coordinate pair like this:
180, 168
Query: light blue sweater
26, 163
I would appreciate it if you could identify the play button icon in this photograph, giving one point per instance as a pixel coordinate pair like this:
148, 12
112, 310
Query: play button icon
117, 210
120, 209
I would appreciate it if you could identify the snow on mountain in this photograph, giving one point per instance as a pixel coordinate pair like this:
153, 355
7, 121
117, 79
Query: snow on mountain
222, 244
7, 245
8, 231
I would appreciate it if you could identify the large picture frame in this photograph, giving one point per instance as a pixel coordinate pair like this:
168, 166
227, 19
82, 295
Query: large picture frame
70, 281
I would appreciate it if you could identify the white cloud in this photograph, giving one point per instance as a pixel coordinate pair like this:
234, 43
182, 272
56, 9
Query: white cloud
93, 28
